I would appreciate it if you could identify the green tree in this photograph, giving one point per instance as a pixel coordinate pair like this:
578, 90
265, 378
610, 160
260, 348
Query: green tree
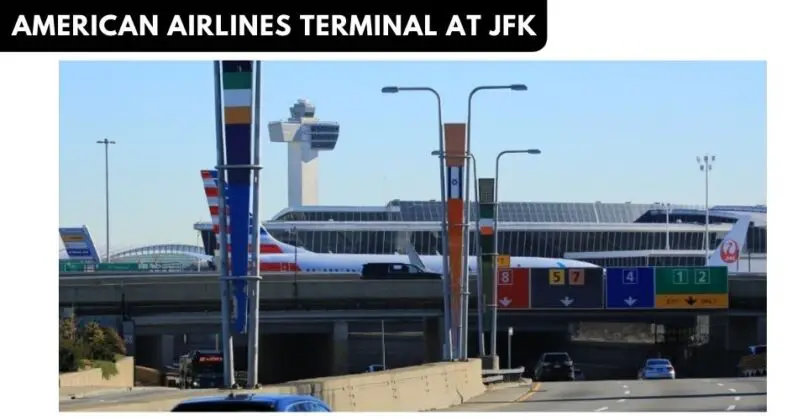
114, 343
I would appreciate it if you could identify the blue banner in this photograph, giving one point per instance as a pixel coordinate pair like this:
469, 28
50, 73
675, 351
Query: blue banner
78, 244
236, 88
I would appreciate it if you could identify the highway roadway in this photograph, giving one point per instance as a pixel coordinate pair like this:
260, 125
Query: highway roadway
122, 396
692, 395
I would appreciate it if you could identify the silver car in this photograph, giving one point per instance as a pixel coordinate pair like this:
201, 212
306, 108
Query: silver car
657, 369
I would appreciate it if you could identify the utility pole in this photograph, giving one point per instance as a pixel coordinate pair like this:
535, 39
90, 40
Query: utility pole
107, 143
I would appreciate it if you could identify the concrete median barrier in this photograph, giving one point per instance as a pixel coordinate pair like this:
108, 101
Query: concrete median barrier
417, 388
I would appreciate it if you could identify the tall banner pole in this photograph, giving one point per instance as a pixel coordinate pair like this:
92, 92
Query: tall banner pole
254, 228
237, 93
487, 258
455, 162
224, 257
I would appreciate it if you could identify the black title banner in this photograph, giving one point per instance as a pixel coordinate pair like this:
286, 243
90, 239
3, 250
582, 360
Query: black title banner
524, 30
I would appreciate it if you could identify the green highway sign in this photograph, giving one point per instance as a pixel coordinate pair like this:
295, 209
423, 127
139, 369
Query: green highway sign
691, 280
71, 267
118, 267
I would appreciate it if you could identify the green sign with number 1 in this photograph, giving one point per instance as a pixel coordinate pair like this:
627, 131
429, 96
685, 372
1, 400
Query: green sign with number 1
691, 280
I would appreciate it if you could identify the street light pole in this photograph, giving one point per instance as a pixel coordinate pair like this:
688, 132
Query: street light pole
447, 322
705, 165
467, 229
107, 143
493, 306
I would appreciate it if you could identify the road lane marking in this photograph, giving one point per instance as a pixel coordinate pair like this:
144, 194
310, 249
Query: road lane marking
602, 409
529, 394
731, 408
736, 398
622, 400
732, 390
720, 384
627, 392
626, 386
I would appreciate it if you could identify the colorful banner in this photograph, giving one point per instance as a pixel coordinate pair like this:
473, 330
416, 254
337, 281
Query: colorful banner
78, 244
455, 160
237, 96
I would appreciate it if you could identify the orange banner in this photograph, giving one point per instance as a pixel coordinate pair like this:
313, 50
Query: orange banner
455, 159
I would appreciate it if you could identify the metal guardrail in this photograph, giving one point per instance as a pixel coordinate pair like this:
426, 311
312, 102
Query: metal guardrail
516, 371
491, 376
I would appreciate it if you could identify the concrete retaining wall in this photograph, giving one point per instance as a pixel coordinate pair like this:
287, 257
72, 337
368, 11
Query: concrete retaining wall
92, 378
417, 388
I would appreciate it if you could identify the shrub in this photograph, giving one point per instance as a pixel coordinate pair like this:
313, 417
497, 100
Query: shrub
70, 356
89, 342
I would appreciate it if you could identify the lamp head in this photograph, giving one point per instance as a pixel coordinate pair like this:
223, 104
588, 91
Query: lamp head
390, 89
519, 87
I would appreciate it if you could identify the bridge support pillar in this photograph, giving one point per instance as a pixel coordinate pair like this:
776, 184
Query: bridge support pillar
433, 339
762, 329
340, 348
167, 347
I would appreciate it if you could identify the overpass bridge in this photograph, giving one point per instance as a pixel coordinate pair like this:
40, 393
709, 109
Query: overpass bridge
334, 313
200, 291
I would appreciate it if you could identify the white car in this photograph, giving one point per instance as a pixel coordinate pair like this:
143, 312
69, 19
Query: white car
657, 369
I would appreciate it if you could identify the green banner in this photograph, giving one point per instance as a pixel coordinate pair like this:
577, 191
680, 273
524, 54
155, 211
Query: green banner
691, 280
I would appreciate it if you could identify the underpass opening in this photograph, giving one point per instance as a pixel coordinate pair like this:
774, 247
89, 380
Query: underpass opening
294, 356
528, 346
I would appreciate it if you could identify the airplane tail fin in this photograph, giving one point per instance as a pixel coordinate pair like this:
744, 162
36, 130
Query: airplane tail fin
413, 255
728, 252
268, 243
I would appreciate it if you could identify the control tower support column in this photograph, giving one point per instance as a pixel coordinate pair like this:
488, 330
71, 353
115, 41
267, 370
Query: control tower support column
305, 136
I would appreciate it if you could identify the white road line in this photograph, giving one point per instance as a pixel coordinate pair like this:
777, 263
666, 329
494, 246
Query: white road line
607, 408
732, 390
720, 384
731, 408
736, 398
627, 392
622, 400
626, 386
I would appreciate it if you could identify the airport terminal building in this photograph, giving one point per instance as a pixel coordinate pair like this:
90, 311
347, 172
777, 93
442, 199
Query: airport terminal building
608, 234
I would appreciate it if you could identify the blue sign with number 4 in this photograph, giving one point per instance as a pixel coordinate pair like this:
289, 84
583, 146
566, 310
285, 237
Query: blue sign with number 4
630, 288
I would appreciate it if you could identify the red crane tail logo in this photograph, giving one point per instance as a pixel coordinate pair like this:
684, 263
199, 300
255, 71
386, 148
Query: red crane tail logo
730, 251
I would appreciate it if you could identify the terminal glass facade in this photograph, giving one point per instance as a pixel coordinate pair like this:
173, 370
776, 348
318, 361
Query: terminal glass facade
552, 244
529, 242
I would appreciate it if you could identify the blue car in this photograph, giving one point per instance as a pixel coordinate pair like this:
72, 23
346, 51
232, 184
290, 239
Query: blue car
253, 402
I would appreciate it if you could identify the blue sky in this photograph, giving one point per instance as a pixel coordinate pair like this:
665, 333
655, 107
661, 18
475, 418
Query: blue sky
609, 131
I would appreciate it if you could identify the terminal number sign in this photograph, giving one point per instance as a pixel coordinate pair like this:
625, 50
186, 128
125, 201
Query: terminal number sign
571, 277
512, 291
692, 287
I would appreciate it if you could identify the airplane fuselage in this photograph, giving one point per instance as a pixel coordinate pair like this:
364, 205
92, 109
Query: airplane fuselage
353, 263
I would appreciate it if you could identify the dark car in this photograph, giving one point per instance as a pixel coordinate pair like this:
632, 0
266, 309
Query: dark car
252, 403
554, 367
373, 271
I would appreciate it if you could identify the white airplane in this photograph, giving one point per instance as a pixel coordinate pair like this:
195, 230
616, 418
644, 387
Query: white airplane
277, 256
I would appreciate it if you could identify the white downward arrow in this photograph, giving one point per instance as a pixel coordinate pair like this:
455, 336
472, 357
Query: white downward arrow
630, 301
567, 301
505, 302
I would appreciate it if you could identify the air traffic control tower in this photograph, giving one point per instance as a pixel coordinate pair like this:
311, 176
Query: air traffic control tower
306, 136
